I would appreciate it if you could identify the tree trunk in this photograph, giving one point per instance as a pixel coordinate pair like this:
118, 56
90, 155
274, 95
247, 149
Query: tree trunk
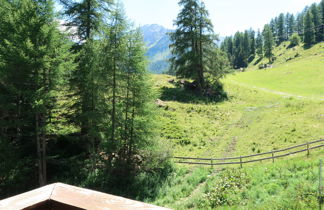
201, 65
40, 153
113, 115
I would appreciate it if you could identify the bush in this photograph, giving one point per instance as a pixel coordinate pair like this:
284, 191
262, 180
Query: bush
228, 190
294, 40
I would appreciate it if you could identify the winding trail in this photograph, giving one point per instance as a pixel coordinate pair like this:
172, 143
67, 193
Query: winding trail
284, 94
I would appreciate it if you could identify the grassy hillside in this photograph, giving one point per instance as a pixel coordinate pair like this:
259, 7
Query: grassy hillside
265, 110
286, 184
301, 76
250, 121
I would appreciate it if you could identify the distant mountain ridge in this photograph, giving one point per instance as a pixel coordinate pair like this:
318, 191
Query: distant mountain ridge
157, 42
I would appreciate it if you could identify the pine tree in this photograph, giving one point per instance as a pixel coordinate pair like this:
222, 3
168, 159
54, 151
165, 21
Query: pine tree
114, 62
321, 5
309, 29
259, 44
273, 26
291, 28
193, 36
32, 79
239, 60
227, 47
317, 21
252, 44
281, 29
88, 17
268, 42
300, 23
246, 47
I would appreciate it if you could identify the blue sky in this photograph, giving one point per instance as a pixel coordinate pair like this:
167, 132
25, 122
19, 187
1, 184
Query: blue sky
228, 16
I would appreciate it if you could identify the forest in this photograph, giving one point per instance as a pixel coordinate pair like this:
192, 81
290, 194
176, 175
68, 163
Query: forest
307, 27
78, 105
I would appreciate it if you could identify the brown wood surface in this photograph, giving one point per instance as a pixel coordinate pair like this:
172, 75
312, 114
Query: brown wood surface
67, 197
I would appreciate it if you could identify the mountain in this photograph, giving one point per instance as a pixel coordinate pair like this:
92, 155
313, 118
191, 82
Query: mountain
157, 42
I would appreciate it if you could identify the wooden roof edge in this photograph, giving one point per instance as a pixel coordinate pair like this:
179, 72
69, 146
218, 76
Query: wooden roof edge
28, 199
74, 196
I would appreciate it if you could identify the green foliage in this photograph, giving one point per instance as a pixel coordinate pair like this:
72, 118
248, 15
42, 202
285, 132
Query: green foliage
35, 58
294, 40
309, 29
259, 45
189, 58
227, 190
86, 15
268, 42
87, 110
280, 35
288, 184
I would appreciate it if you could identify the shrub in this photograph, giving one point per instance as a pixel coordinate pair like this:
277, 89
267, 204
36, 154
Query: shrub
294, 40
229, 189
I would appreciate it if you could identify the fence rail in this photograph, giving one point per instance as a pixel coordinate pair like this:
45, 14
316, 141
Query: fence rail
247, 158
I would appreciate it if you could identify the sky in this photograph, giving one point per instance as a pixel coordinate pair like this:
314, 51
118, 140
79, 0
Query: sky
228, 16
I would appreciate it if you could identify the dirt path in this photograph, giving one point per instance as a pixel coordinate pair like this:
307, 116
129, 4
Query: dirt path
230, 148
278, 92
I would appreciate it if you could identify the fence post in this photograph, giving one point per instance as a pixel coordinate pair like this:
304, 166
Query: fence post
307, 149
272, 157
320, 186
211, 163
241, 161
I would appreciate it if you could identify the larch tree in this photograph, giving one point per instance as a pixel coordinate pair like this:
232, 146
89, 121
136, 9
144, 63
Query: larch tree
252, 44
291, 26
316, 14
300, 23
259, 45
34, 57
239, 59
86, 19
281, 29
268, 42
191, 41
309, 29
321, 5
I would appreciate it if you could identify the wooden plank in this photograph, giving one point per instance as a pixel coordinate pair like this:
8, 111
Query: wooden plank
254, 155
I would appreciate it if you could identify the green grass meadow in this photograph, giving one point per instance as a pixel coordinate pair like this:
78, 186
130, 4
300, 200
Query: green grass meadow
265, 110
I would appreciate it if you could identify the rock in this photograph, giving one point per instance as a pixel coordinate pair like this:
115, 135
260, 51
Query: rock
171, 81
160, 103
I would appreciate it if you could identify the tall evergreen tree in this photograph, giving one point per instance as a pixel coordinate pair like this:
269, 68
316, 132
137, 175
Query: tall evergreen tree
291, 26
281, 36
191, 40
259, 44
252, 43
274, 26
88, 17
316, 14
239, 59
300, 23
309, 29
268, 42
227, 47
34, 56
321, 5
246, 46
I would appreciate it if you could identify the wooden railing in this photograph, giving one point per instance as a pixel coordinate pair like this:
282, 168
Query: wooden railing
307, 147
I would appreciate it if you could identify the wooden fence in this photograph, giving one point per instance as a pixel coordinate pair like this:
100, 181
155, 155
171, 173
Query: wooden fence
307, 147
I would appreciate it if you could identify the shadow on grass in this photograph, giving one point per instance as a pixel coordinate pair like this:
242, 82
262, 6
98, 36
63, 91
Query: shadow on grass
183, 95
